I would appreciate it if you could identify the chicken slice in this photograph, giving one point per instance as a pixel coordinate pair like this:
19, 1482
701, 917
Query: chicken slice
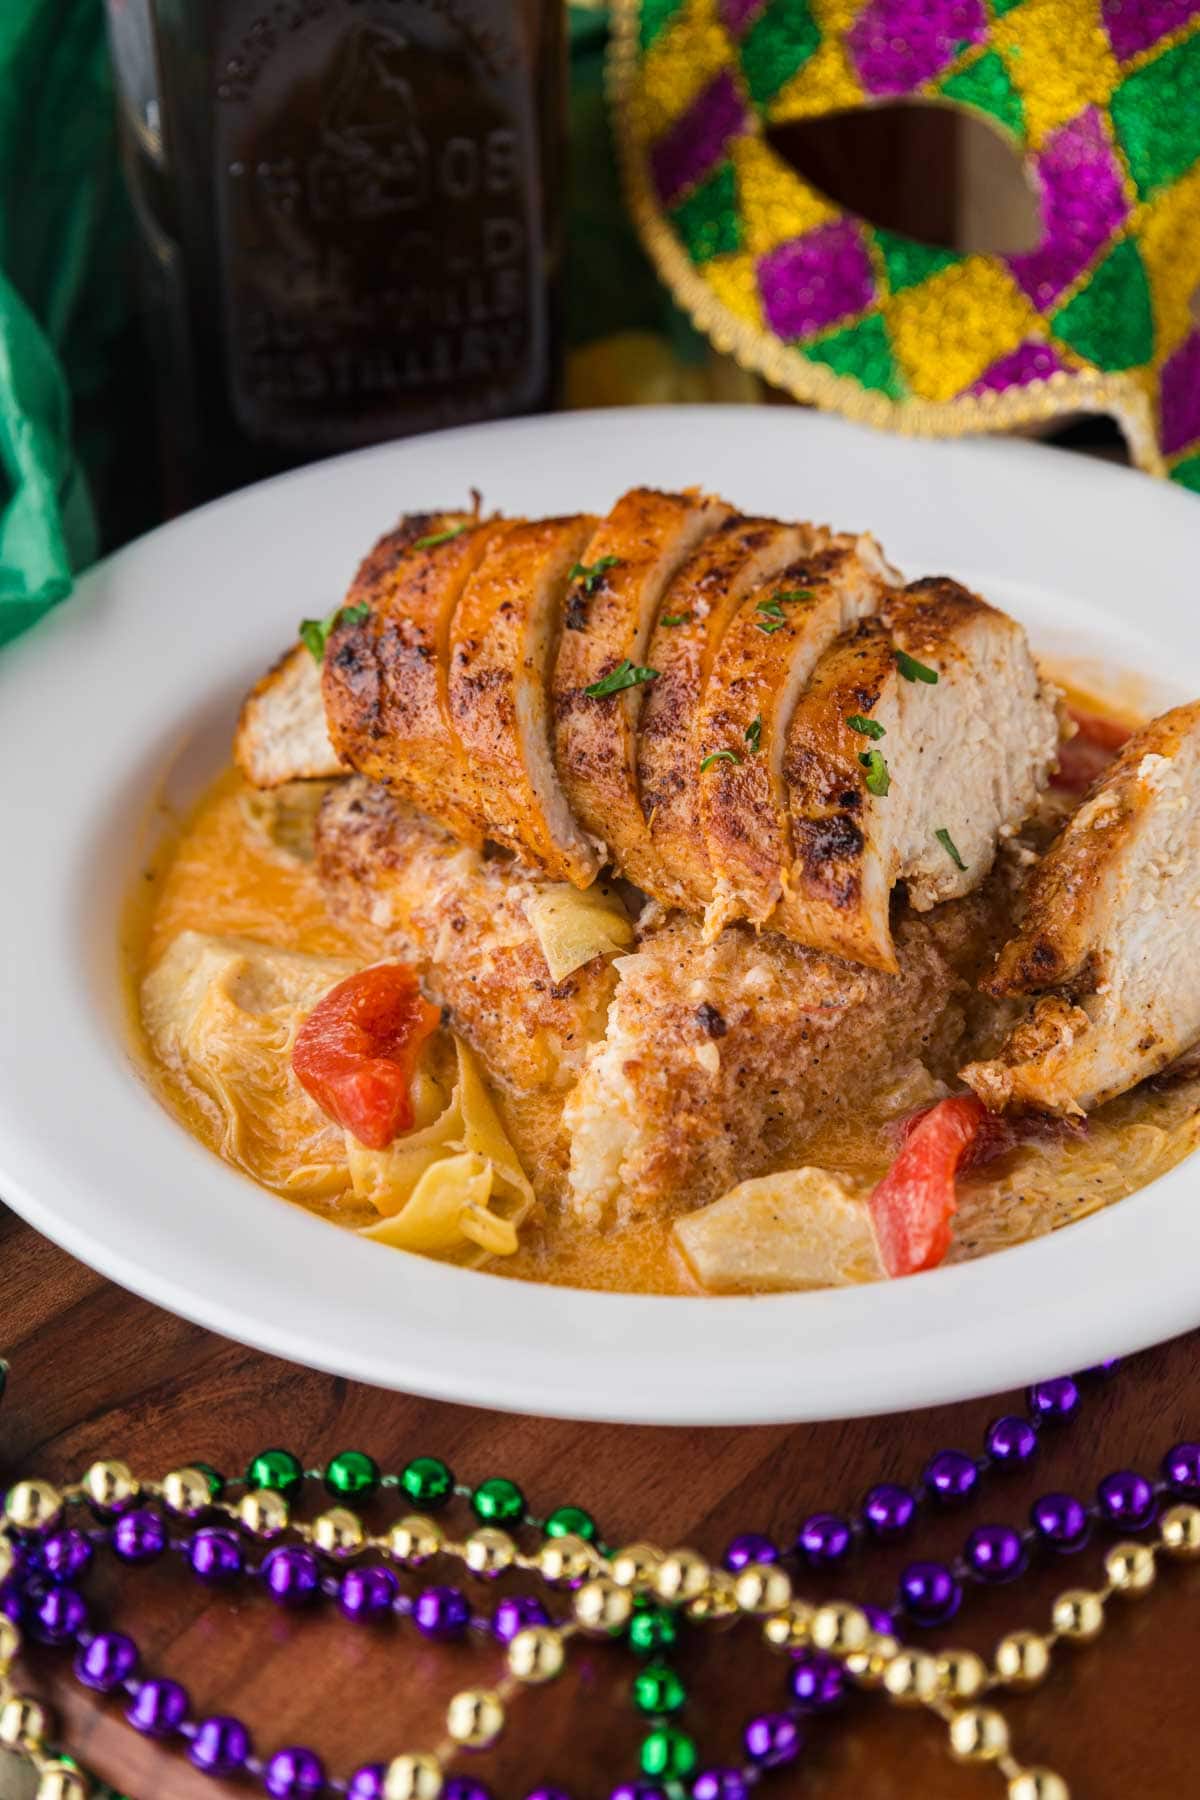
610, 612
953, 738
761, 668
384, 679
672, 863
721, 1059
502, 647
409, 889
281, 734
1107, 940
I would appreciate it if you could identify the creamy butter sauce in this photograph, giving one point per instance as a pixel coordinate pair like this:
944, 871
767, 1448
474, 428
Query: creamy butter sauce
221, 874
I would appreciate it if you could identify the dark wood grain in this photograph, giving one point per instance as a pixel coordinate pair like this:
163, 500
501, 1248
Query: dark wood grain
96, 1371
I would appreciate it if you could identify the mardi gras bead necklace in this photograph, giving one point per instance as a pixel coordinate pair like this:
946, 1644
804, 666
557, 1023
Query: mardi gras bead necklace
637, 1593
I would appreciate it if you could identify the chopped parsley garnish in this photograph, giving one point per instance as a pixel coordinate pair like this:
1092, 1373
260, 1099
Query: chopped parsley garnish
314, 634
868, 728
675, 619
770, 625
788, 595
912, 670
716, 756
625, 675
589, 574
443, 537
878, 779
754, 735
950, 847
771, 607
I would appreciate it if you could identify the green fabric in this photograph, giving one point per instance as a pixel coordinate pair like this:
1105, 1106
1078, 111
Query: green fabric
62, 292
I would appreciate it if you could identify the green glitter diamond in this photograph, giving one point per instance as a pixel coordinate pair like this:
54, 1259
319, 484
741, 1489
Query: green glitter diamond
498, 1501
985, 85
708, 221
780, 41
861, 351
1000, 7
427, 1481
652, 1629
658, 1689
352, 1473
275, 1469
571, 1521
907, 262
653, 16
1187, 473
668, 1753
1110, 321
1156, 116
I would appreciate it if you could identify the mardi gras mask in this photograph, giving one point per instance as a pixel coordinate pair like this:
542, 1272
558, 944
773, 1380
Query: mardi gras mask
1100, 97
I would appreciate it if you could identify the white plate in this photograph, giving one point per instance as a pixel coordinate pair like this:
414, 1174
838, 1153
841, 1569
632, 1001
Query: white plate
137, 678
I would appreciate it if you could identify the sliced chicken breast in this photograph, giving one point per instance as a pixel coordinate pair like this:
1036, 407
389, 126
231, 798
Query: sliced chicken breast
1107, 943
385, 676
281, 734
503, 642
721, 1059
760, 670
407, 888
696, 609
924, 737
610, 611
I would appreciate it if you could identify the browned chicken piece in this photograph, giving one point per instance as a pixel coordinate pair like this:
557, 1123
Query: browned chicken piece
697, 607
1107, 942
503, 642
760, 670
384, 679
721, 1060
407, 888
924, 737
281, 734
610, 612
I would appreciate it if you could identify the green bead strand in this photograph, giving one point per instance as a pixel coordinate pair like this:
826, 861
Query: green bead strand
215, 1480
275, 1469
651, 1629
427, 1481
498, 1501
668, 1754
571, 1521
353, 1474
658, 1690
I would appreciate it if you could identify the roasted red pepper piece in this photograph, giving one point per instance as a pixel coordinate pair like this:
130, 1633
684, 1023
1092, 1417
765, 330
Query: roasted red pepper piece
357, 1050
913, 1205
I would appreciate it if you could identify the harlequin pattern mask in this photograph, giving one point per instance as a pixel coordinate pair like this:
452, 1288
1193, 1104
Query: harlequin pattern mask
1101, 98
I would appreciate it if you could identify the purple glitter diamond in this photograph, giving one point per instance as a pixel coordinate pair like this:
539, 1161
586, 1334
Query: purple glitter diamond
1134, 25
1180, 402
1082, 205
688, 149
815, 280
737, 14
1030, 361
897, 44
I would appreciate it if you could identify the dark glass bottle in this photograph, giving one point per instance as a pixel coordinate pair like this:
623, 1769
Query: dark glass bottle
350, 216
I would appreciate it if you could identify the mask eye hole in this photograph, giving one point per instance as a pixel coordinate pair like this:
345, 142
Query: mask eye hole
940, 174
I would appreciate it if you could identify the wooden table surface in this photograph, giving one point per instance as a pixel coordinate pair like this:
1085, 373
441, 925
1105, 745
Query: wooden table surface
96, 1371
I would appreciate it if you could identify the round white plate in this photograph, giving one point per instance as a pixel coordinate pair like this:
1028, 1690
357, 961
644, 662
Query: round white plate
134, 683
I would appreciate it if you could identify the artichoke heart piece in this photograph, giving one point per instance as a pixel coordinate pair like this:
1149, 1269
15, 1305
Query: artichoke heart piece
798, 1229
453, 1187
573, 928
